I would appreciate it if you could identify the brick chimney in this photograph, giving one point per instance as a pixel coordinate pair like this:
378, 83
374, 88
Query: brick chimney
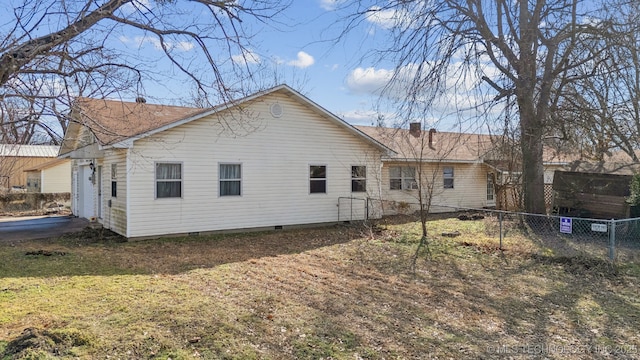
415, 128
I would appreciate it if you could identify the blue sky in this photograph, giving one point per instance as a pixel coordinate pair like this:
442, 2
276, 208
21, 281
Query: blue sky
295, 47
298, 46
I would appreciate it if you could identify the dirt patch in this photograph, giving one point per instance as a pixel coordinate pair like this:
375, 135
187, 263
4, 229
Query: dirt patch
580, 265
45, 253
90, 235
34, 343
483, 248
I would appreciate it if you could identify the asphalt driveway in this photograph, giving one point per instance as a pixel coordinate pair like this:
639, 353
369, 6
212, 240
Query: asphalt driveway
39, 227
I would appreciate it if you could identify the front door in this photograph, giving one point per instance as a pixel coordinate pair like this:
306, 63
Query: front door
99, 185
75, 199
85, 182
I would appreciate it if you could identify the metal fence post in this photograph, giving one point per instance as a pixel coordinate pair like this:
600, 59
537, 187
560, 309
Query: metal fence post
612, 241
500, 221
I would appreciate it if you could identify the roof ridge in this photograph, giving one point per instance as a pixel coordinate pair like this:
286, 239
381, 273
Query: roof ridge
82, 98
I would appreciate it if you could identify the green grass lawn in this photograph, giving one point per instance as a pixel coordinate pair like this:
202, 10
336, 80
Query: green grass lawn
333, 293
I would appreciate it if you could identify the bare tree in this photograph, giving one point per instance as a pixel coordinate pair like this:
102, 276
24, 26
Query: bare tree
51, 51
422, 175
603, 112
519, 48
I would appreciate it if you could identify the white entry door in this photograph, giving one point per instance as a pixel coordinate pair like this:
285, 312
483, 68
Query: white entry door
75, 199
99, 188
85, 206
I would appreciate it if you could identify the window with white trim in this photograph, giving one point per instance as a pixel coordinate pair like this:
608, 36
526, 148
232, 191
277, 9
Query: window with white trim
168, 180
318, 179
490, 187
447, 177
230, 179
114, 180
358, 178
402, 178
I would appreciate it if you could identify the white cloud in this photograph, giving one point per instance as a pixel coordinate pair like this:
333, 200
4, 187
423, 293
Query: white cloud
247, 57
460, 93
388, 18
304, 60
368, 80
330, 4
136, 5
180, 45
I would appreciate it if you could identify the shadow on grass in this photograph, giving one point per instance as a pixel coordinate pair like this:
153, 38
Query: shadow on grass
76, 254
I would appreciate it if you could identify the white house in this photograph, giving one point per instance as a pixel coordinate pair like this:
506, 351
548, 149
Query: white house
456, 170
272, 159
450, 167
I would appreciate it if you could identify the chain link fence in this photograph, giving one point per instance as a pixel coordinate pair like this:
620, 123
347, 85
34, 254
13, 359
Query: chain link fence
613, 240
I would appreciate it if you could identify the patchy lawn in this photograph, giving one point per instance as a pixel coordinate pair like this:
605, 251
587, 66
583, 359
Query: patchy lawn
334, 293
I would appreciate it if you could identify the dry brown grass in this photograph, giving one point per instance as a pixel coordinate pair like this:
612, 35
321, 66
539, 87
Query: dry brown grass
333, 293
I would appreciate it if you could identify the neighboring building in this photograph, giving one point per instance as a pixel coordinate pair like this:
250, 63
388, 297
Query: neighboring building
50, 177
272, 159
14, 159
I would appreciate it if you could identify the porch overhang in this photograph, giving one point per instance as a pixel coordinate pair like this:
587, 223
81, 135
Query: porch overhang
92, 151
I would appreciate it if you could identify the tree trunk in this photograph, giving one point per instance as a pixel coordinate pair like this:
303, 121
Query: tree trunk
532, 113
532, 160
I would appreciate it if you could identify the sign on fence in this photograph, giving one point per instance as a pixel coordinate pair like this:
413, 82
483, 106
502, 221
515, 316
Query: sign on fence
598, 227
566, 225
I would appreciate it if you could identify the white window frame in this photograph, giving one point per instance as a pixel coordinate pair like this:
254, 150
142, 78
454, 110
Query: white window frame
446, 176
324, 179
406, 182
359, 178
114, 180
156, 180
491, 190
221, 180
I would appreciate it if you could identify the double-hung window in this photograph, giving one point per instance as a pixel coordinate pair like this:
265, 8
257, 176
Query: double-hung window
490, 187
230, 179
168, 180
114, 180
358, 178
402, 178
447, 177
318, 179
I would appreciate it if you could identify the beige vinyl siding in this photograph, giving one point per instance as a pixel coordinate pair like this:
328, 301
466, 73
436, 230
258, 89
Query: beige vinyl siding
56, 179
12, 169
115, 217
470, 187
275, 154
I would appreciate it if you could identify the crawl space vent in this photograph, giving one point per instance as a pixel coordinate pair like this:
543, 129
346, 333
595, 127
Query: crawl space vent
276, 110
